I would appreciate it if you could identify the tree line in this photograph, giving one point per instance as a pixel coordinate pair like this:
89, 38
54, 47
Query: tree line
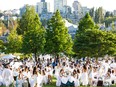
101, 16
31, 37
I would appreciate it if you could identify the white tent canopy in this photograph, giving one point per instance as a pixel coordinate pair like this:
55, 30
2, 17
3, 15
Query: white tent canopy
10, 56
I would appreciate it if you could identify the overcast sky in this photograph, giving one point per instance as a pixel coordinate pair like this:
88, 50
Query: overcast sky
109, 5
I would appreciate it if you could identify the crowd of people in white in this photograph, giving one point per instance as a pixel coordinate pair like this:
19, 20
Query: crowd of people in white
28, 73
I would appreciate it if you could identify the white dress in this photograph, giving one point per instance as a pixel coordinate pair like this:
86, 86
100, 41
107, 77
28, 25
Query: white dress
7, 77
76, 82
20, 82
33, 80
39, 80
58, 81
84, 78
45, 79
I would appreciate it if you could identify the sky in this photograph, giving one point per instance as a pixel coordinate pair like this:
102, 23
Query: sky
108, 5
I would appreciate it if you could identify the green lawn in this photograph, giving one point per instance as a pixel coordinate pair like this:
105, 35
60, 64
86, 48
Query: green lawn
53, 84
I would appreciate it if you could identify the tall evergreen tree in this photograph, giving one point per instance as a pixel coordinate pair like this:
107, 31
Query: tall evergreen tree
96, 19
32, 31
57, 38
107, 14
86, 23
28, 20
99, 15
92, 12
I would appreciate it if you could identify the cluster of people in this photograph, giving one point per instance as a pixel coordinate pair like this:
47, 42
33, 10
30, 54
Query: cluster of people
68, 72
86, 73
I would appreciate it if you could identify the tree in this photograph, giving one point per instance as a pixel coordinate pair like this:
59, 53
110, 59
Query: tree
1, 14
109, 20
2, 28
33, 33
92, 42
92, 12
57, 38
86, 23
95, 43
110, 43
34, 41
2, 47
85, 42
96, 19
28, 20
99, 15
14, 43
107, 14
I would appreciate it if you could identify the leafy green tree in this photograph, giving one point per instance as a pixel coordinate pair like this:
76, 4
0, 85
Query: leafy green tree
95, 43
99, 15
92, 42
96, 19
33, 33
14, 43
2, 28
28, 20
110, 43
57, 38
34, 41
2, 47
86, 23
107, 14
81, 47
109, 20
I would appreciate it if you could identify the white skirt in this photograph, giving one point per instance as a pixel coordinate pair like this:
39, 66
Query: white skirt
84, 79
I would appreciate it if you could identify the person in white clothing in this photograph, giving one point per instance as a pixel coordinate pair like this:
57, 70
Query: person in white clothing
33, 78
90, 75
7, 76
84, 76
45, 78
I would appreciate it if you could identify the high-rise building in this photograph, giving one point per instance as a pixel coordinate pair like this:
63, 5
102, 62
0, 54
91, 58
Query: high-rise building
42, 0
22, 10
64, 2
114, 12
77, 6
85, 10
42, 7
58, 5
67, 9
77, 9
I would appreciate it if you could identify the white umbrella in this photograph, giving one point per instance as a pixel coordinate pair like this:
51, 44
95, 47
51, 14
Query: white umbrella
10, 56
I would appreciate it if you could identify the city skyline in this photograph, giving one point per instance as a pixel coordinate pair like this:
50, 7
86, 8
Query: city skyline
108, 5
